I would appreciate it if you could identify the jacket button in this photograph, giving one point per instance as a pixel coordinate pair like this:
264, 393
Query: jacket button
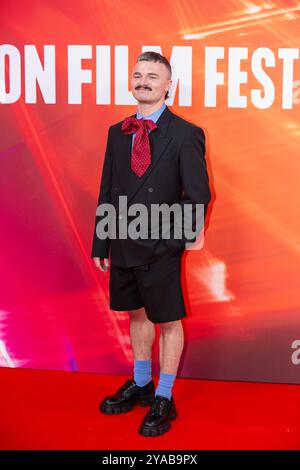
150, 190
120, 217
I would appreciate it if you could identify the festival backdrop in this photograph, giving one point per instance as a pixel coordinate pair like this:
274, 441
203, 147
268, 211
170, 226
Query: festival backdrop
64, 79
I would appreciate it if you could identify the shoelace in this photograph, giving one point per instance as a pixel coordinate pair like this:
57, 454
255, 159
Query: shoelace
158, 406
125, 386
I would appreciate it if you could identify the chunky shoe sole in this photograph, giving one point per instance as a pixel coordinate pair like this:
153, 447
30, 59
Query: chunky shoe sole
125, 407
158, 430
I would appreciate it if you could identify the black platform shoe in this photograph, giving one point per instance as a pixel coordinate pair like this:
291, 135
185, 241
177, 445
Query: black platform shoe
158, 419
127, 396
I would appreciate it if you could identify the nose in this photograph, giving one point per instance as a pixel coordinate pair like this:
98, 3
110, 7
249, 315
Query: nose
143, 81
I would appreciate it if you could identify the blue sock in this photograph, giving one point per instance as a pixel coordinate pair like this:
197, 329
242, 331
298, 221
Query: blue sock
165, 385
142, 372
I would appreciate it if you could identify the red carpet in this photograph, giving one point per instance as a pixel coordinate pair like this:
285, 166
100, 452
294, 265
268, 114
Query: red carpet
59, 410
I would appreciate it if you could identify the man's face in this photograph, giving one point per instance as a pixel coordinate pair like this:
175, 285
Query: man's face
149, 81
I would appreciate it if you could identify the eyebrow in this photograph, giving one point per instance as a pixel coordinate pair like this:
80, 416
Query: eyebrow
150, 73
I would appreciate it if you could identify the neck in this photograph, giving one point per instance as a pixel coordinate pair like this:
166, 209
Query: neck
145, 109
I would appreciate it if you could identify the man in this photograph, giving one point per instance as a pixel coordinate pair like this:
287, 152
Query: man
152, 157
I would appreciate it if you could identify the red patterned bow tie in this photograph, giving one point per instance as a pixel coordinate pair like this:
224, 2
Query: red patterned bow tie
141, 155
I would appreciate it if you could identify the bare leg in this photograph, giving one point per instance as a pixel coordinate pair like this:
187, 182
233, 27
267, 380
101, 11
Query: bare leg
142, 334
171, 342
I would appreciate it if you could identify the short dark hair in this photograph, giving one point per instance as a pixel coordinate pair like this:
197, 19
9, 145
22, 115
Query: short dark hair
151, 56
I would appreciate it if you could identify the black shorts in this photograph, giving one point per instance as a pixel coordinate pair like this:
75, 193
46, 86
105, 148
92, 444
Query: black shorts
155, 286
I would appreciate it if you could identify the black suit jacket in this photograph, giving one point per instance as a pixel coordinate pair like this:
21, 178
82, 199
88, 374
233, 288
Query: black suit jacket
177, 173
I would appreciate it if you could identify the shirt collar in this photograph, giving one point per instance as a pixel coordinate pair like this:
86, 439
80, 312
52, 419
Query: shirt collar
154, 116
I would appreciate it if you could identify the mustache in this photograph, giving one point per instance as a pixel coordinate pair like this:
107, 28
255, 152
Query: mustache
143, 87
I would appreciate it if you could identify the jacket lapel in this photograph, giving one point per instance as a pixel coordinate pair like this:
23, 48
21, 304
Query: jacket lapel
159, 140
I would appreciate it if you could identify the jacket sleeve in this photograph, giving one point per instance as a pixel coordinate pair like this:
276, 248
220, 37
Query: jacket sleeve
195, 188
100, 248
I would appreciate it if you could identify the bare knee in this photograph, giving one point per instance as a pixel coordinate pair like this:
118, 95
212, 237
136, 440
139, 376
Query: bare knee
170, 326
